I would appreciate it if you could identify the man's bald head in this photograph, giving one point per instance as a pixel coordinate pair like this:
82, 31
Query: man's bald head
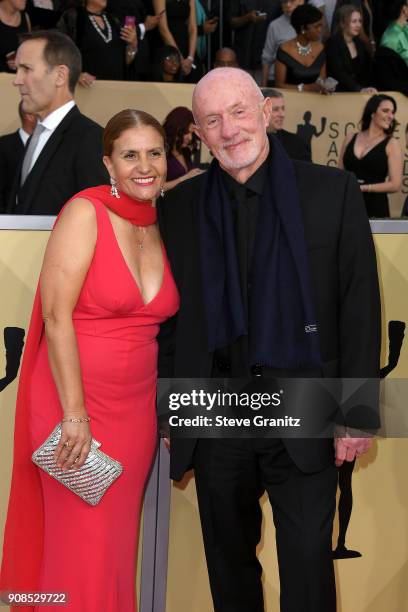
220, 79
225, 57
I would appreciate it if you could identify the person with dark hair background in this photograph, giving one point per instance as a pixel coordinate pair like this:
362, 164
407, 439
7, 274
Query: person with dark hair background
374, 155
178, 28
391, 61
348, 60
301, 62
181, 144
366, 10
395, 36
106, 47
11, 154
167, 65
14, 20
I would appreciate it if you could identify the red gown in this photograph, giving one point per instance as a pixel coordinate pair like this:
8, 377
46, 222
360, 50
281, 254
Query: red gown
90, 552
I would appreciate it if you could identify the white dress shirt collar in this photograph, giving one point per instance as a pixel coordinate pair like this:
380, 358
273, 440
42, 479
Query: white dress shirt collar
51, 121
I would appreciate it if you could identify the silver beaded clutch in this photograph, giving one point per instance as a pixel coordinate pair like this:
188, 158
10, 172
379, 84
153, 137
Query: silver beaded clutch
91, 480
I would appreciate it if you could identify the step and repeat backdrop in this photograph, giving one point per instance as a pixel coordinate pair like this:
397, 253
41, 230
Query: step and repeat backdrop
378, 529
322, 121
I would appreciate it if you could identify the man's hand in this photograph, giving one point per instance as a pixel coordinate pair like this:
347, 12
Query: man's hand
347, 449
86, 79
210, 25
256, 17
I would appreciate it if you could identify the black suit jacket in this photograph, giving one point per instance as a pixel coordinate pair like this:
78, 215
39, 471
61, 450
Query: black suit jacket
70, 161
294, 146
11, 154
344, 286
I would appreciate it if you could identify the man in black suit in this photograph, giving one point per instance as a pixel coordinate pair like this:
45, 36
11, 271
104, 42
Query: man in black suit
294, 146
12, 152
64, 154
308, 307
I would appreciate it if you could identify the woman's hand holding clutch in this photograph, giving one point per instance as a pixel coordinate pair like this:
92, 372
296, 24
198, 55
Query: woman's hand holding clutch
75, 442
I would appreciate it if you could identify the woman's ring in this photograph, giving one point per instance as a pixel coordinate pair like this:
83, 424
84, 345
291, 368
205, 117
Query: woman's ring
67, 445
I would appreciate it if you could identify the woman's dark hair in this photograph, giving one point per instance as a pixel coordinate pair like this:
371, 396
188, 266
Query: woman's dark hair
372, 107
344, 15
175, 125
162, 53
395, 8
126, 119
305, 15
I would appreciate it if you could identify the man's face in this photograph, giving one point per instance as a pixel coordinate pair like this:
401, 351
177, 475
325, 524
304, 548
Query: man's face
225, 59
277, 114
288, 6
232, 121
36, 81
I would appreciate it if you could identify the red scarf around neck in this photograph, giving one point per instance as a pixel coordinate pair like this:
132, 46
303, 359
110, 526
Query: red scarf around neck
138, 212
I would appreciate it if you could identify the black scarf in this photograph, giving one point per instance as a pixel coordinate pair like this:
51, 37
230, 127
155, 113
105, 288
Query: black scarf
280, 309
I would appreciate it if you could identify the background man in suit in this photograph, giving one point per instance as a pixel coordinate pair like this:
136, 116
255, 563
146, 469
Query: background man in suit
232, 234
11, 154
294, 146
64, 154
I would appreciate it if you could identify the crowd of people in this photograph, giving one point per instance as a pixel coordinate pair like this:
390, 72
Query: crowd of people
311, 45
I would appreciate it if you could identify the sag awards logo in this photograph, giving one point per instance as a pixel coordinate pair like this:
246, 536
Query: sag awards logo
13, 344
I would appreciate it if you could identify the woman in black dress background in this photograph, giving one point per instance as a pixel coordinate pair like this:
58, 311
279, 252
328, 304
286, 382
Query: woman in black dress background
106, 47
13, 22
348, 60
374, 156
178, 28
301, 62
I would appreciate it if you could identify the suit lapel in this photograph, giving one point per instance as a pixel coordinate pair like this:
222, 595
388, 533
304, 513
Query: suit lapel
28, 191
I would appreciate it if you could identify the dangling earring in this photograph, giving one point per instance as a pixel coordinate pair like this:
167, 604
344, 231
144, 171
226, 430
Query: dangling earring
114, 188
161, 192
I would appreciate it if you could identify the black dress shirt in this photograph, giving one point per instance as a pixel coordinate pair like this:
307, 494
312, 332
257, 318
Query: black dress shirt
245, 201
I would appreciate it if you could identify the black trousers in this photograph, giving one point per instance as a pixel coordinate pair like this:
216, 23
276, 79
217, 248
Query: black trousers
231, 475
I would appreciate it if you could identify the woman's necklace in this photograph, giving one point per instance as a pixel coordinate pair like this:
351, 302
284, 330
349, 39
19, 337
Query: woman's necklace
304, 50
106, 37
143, 230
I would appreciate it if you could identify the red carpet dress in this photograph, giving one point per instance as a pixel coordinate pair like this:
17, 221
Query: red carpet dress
90, 552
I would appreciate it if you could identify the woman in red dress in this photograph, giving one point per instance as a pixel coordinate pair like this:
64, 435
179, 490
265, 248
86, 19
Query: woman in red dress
90, 362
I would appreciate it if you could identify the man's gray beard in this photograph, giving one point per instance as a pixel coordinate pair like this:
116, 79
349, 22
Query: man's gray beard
229, 164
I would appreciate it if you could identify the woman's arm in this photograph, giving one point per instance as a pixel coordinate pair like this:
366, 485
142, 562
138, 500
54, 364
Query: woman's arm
167, 37
192, 30
187, 62
395, 166
66, 262
188, 175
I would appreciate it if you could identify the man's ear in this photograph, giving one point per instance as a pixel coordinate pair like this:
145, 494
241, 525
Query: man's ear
267, 110
199, 133
62, 78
